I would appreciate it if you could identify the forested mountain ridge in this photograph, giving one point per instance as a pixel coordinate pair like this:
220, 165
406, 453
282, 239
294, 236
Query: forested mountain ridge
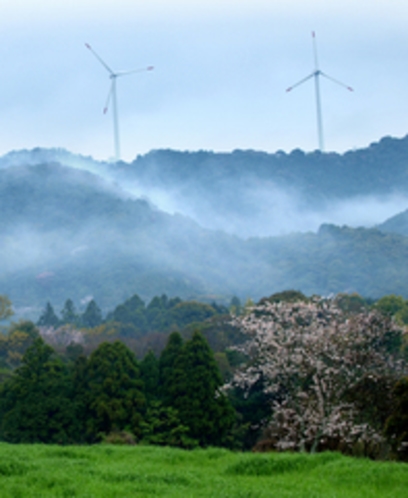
254, 193
88, 228
380, 168
396, 224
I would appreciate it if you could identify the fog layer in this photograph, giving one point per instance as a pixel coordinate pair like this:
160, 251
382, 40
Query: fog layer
202, 224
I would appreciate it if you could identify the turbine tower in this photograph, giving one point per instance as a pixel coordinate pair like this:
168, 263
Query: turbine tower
316, 74
112, 95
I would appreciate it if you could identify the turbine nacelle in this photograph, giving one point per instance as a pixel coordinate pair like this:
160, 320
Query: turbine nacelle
316, 74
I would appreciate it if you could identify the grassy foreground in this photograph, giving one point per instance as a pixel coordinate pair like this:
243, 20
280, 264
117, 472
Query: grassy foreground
116, 471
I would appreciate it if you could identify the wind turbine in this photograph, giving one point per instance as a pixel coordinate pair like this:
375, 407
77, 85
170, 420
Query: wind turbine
112, 95
316, 74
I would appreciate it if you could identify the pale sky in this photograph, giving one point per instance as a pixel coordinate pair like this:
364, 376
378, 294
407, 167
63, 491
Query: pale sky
221, 71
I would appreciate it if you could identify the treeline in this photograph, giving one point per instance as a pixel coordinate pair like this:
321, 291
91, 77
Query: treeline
141, 327
173, 400
379, 168
298, 372
160, 314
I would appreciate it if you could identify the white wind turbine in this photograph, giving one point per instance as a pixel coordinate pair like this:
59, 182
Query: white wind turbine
316, 74
112, 95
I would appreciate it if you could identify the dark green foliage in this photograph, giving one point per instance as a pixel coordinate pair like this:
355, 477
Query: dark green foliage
396, 427
130, 312
35, 402
149, 373
190, 382
167, 364
253, 408
372, 397
161, 314
389, 305
92, 316
188, 312
219, 332
195, 393
73, 351
112, 391
68, 313
158, 313
80, 396
48, 317
162, 426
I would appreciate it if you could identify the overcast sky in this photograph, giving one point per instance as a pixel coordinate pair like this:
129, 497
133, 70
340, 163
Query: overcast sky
221, 71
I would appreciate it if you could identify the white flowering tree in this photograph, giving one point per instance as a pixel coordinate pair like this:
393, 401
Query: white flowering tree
312, 355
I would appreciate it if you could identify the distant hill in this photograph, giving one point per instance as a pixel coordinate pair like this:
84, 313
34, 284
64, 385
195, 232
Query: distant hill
68, 232
396, 224
252, 193
88, 228
382, 168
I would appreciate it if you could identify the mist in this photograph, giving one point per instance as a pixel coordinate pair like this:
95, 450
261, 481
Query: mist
268, 210
243, 205
196, 225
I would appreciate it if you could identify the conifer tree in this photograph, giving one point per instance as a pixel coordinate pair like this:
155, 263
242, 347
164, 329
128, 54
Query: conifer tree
196, 394
68, 313
167, 361
92, 316
36, 401
149, 371
48, 317
112, 391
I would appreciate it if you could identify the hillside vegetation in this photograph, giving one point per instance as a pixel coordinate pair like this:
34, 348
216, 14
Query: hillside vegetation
201, 225
290, 373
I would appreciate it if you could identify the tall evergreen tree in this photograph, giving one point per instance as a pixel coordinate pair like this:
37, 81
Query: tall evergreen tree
92, 316
149, 371
167, 362
196, 393
132, 312
36, 401
48, 317
112, 392
68, 313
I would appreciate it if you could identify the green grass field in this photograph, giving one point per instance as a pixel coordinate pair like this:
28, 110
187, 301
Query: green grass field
144, 471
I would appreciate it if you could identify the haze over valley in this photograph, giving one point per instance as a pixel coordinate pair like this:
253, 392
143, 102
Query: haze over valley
202, 225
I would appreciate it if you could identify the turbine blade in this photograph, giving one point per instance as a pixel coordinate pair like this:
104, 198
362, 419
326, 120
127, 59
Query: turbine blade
300, 82
99, 59
337, 81
315, 51
139, 70
108, 98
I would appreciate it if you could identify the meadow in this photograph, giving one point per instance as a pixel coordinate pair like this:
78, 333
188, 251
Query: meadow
110, 471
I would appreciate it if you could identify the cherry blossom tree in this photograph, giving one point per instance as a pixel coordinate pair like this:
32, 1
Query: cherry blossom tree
312, 356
